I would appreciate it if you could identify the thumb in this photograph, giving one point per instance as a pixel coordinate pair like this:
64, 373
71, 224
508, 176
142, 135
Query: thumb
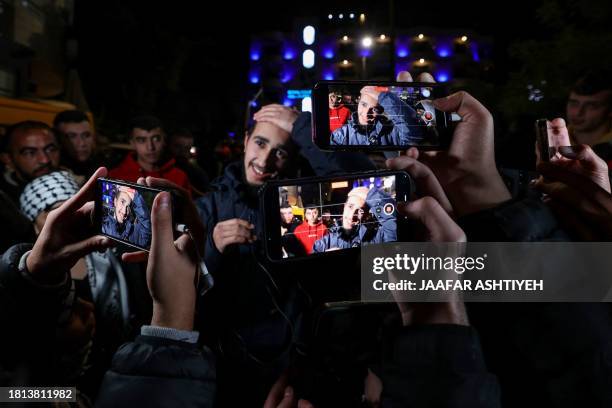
288, 401
161, 222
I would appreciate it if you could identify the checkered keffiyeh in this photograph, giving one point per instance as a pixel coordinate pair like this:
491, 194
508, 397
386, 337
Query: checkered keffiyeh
45, 191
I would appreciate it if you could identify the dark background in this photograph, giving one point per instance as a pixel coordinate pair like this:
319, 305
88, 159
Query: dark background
187, 61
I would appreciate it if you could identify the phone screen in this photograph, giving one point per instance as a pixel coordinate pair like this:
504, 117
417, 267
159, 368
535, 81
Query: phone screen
378, 116
123, 211
325, 216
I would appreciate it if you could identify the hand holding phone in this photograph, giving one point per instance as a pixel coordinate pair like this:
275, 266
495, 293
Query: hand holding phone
67, 235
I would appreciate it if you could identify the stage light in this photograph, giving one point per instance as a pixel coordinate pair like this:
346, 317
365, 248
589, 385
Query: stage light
421, 36
308, 59
383, 37
330, 16
464, 38
308, 34
367, 42
345, 38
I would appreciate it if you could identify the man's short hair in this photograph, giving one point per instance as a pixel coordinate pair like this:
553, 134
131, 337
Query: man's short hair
594, 82
69, 116
26, 125
311, 206
145, 122
285, 205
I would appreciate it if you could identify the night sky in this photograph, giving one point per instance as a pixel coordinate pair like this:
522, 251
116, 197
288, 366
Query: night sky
187, 61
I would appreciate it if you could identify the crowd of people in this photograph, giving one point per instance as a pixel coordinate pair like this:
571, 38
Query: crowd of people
134, 328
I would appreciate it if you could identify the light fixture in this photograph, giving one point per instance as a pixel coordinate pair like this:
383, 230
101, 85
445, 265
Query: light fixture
345, 62
362, 18
367, 42
308, 59
421, 36
383, 37
308, 35
340, 16
352, 16
421, 60
330, 16
345, 38
464, 38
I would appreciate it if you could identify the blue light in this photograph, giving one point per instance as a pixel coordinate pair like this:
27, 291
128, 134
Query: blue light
443, 52
254, 79
288, 102
328, 76
255, 56
286, 77
402, 52
254, 104
442, 77
475, 55
329, 54
231, 134
365, 53
289, 55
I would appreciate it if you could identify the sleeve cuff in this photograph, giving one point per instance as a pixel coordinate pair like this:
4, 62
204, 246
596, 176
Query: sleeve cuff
23, 270
171, 334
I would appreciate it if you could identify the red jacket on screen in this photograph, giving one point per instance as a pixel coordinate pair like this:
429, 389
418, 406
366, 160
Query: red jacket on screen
338, 117
307, 235
130, 170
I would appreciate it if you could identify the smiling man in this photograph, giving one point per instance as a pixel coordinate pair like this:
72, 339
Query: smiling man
29, 150
150, 157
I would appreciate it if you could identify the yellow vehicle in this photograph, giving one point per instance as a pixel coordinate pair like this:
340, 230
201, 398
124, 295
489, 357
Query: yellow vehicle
17, 110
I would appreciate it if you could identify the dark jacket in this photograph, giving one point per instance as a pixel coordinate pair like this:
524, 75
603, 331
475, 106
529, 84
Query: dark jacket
29, 315
545, 354
422, 366
396, 128
436, 366
158, 372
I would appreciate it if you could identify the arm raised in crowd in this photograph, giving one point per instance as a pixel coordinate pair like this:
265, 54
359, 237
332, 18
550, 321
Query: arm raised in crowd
164, 366
436, 358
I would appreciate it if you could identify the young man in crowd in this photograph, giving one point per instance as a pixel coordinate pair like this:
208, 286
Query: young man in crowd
311, 230
338, 113
589, 113
28, 150
78, 140
150, 157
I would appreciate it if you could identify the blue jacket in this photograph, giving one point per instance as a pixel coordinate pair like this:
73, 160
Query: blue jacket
385, 231
397, 129
137, 231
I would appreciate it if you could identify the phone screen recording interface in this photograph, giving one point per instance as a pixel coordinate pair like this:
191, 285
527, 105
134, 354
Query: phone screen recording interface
379, 116
327, 216
125, 212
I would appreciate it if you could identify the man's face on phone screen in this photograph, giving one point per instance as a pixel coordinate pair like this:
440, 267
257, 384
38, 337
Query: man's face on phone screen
122, 206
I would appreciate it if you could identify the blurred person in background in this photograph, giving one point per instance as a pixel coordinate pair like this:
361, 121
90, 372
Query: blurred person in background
183, 149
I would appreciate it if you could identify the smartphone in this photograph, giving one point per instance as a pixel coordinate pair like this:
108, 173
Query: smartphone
123, 212
544, 149
310, 217
376, 115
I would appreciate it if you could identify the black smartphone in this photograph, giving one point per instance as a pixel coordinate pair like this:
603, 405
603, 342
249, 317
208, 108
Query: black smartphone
377, 115
544, 149
123, 212
313, 216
